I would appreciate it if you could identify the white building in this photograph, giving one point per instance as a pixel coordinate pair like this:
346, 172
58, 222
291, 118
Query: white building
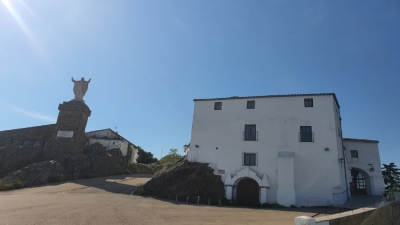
283, 148
112, 140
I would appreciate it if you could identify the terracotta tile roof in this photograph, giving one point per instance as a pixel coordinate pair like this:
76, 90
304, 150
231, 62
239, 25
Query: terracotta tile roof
268, 96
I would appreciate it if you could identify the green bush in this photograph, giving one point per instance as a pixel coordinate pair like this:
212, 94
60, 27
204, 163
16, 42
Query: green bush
390, 192
6, 184
140, 169
140, 190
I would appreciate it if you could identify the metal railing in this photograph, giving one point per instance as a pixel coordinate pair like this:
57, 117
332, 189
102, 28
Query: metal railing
202, 200
250, 135
306, 136
341, 192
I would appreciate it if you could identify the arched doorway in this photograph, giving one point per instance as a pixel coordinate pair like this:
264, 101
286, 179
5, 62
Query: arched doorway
247, 192
360, 182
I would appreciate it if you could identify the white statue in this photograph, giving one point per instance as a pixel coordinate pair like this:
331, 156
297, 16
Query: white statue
80, 88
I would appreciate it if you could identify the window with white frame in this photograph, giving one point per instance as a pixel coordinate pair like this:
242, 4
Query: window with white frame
217, 105
308, 102
250, 132
354, 153
251, 104
306, 134
249, 159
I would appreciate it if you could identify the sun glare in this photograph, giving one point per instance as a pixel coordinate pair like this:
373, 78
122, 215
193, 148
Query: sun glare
20, 21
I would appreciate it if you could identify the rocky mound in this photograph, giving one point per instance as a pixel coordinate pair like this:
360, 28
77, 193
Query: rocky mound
16, 157
95, 162
37, 173
185, 178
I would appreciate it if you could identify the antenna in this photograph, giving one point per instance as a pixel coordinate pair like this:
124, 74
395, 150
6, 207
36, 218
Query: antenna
162, 152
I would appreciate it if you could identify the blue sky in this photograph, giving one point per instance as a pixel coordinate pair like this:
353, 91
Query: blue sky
149, 59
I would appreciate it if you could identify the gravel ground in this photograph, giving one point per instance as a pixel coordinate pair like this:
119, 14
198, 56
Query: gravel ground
108, 201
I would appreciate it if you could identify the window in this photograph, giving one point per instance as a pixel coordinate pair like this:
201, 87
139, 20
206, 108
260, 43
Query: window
249, 159
217, 105
306, 134
360, 181
250, 132
308, 102
251, 104
354, 153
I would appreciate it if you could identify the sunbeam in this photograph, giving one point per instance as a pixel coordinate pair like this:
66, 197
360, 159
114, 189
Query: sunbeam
21, 22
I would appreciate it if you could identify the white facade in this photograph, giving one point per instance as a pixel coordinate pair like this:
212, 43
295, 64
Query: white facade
112, 140
290, 168
365, 160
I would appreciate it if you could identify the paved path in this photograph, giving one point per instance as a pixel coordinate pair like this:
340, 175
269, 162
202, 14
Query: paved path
107, 201
361, 201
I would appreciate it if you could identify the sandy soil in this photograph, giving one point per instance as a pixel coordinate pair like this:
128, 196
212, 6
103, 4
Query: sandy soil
108, 201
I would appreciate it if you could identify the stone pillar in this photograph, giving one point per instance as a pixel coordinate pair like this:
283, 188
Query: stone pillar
263, 195
286, 194
304, 220
69, 133
228, 192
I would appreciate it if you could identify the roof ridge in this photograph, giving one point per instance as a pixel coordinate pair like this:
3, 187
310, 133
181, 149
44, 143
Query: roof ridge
360, 139
267, 96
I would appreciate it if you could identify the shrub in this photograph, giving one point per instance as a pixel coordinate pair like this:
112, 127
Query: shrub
140, 169
140, 190
273, 206
6, 184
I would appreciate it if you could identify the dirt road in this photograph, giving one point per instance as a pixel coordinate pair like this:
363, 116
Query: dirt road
108, 201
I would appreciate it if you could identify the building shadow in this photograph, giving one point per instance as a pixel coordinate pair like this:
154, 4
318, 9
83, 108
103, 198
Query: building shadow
111, 184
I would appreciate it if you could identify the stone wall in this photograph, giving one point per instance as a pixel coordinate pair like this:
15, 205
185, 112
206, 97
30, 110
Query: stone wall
27, 136
72, 118
15, 157
352, 219
388, 215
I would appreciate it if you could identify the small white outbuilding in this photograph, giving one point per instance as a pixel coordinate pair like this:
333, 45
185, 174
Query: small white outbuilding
112, 140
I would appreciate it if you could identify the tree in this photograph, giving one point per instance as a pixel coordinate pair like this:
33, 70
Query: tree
391, 177
172, 156
145, 157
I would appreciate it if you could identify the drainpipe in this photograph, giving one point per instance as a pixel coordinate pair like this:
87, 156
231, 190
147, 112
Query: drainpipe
345, 172
344, 157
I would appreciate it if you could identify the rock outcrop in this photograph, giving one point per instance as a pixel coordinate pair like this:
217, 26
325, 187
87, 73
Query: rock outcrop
185, 178
38, 173
95, 162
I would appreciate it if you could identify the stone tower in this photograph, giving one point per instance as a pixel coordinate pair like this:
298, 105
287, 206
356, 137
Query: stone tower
69, 132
